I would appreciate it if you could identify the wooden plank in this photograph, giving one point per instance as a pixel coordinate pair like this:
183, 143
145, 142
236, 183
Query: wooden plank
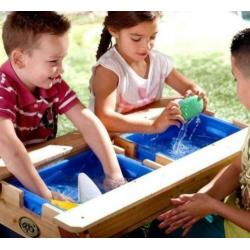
187, 174
163, 159
152, 164
49, 211
142, 213
11, 194
73, 139
12, 215
66, 234
46, 154
119, 150
129, 147
13, 211
149, 113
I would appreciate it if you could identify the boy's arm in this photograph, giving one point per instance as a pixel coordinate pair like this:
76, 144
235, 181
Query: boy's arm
189, 208
225, 182
104, 88
96, 136
18, 161
238, 216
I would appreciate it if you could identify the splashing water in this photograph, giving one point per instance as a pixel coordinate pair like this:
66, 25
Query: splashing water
187, 140
178, 146
176, 143
197, 123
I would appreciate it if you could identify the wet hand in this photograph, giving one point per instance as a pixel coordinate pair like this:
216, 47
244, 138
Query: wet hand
200, 93
170, 116
172, 220
110, 183
198, 204
189, 208
60, 197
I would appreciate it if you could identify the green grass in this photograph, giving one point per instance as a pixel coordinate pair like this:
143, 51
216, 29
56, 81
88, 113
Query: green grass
213, 73
210, 68
81, 57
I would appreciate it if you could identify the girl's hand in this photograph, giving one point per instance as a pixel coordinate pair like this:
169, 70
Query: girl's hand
196, 90
170, 116
189, 208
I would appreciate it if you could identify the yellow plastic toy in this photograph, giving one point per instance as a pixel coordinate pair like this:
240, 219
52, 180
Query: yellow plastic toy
65, 205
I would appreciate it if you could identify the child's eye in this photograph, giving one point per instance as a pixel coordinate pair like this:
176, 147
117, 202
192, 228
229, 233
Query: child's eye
53, 61
136, 39
153, 37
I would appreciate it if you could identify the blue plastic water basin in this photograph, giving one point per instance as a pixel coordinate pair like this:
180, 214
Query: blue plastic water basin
62, 176
208, 131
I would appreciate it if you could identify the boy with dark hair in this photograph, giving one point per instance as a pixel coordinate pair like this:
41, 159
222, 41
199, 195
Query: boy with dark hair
33, 93
230, 217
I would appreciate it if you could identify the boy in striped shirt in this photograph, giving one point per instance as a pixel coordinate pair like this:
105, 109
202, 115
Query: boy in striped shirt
32, 94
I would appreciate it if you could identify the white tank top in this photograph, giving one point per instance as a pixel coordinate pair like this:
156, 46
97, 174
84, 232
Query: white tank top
133, 91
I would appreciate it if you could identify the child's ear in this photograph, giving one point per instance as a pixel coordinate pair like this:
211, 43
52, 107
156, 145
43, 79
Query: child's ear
113, 32
18, 58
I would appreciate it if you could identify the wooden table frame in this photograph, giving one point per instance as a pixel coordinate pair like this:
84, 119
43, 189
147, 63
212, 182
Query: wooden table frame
133, 204
126, 207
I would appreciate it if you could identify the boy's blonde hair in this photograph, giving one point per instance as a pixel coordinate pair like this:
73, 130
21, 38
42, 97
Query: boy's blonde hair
22, 29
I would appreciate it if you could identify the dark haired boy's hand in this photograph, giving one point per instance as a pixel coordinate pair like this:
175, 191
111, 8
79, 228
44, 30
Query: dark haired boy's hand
188, 209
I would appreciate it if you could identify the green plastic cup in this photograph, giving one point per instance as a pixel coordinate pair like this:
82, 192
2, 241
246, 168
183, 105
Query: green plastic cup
190, 107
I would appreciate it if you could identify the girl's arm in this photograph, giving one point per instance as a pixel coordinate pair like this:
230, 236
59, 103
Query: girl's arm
104, 86
184, 86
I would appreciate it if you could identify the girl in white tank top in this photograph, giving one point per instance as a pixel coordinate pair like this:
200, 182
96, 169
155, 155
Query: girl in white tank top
130, 75
133, 91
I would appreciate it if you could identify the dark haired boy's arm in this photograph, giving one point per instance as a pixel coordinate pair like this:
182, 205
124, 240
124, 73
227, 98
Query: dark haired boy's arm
18, 161
225, 182
189, 208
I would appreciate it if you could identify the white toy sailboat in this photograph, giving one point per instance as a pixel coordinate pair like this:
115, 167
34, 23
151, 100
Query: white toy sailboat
87, 189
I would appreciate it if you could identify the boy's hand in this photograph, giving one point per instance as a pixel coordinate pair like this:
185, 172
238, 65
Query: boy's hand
60, 197
170, 116
189, 208
110, 183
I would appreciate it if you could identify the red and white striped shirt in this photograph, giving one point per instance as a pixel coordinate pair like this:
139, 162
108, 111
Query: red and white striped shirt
34, 117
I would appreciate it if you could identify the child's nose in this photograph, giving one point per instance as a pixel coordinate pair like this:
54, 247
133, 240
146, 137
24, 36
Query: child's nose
147, 45
59, 69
